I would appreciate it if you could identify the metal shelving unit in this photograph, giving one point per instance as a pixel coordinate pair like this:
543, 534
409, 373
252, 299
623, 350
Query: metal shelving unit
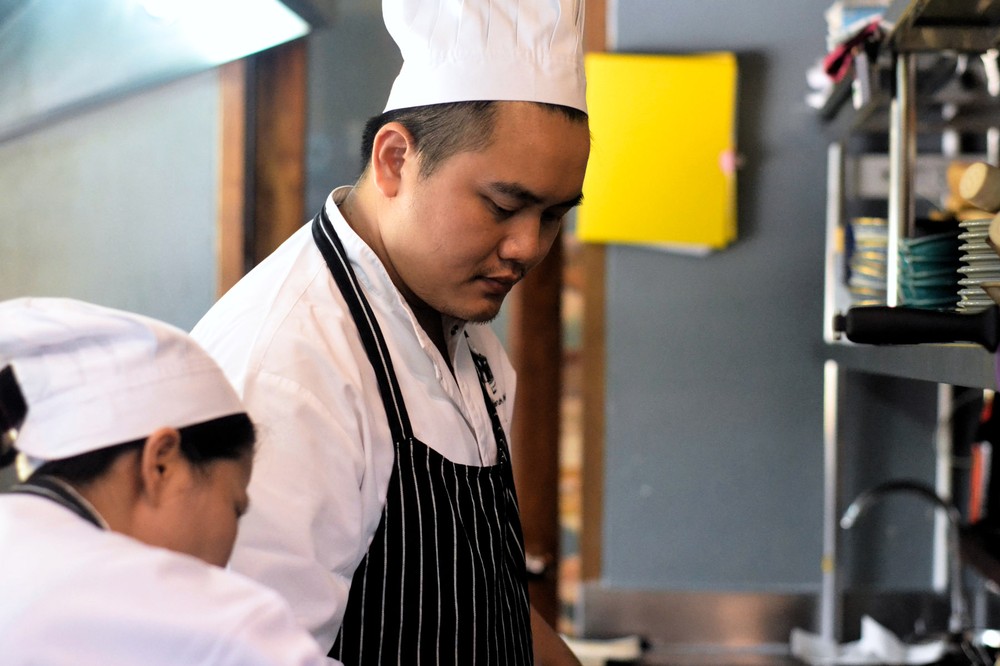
906, 85
972, 26
958, 365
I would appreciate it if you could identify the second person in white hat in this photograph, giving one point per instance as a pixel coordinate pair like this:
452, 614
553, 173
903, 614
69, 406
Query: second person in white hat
137, 454
383, 504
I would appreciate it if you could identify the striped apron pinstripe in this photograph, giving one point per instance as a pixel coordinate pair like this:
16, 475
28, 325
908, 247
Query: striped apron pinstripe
443, 581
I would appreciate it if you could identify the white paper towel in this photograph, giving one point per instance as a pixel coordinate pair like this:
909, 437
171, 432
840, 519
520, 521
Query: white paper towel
877, 645
593, 652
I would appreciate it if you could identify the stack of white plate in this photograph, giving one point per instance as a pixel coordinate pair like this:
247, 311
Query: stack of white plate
980, 264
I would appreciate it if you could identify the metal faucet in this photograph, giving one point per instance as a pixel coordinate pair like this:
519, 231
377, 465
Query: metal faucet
959, 618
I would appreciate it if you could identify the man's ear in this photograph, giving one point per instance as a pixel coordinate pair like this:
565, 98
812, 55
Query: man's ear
160, 461
392, 147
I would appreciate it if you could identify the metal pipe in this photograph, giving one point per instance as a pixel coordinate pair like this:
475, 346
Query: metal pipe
829, 611
834, 280
902, 158
943, 444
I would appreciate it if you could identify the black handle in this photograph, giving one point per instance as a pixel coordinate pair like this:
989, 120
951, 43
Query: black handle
883, 325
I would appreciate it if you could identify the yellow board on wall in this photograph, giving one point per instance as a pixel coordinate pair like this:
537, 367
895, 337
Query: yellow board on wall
662, 162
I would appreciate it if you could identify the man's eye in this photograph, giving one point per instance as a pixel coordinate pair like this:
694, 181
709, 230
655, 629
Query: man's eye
500, 211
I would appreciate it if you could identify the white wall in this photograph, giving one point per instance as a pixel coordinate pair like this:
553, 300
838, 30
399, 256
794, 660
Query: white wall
117, 205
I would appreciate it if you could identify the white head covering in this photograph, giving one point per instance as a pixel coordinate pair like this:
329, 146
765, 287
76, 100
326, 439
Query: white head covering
468, 50
92, 376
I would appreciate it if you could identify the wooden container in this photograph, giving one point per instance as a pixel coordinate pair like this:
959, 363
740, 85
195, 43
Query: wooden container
980, 186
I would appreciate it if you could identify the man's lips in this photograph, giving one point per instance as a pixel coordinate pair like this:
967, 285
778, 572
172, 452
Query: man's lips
499, 283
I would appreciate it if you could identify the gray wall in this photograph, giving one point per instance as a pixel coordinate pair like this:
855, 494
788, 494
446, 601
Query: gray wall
352, 65
117, 205
714, 369
714, 454
888, 432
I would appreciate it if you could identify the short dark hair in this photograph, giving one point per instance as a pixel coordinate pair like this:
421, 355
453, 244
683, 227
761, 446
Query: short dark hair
227, 438
442, 130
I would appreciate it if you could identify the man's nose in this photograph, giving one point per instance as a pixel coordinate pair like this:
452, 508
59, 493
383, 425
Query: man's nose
523, 242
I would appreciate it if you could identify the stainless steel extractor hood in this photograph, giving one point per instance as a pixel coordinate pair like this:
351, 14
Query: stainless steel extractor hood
60, 57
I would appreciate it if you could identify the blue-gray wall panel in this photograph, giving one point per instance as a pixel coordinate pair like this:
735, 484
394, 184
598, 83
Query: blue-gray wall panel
714, 369
352, 65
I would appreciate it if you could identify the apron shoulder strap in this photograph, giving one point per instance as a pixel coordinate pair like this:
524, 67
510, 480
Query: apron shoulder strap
332, 249
62, 494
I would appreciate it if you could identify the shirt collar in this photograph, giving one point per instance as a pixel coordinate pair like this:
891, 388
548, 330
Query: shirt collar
376, 281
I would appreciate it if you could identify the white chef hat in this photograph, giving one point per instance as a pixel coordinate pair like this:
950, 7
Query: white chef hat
469, 50
93, 376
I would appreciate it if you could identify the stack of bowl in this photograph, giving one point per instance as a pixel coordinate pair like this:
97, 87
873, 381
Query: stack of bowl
927, 270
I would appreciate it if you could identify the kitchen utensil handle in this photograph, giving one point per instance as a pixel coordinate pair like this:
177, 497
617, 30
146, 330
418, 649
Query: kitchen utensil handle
883, 325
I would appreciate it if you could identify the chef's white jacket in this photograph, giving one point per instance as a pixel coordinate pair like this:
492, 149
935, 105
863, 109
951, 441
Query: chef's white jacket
286, 340
73, 594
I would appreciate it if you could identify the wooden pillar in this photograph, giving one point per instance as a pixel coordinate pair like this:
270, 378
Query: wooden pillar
593, 350
233, 172
535, 330
279, 162
592, 464
262, 157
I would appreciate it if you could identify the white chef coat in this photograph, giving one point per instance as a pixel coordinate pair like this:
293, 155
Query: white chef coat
286, 340
74, 594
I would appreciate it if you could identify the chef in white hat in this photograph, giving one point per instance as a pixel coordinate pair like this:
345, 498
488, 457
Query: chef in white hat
137, 453
383, 502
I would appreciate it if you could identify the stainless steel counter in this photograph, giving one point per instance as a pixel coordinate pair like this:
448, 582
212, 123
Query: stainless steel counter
744, 628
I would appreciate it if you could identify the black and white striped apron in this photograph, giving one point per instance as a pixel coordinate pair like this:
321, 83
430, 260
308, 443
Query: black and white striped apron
443, 581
